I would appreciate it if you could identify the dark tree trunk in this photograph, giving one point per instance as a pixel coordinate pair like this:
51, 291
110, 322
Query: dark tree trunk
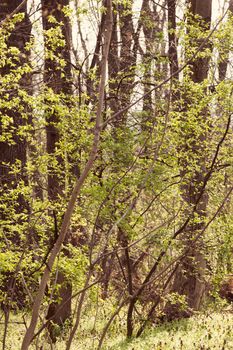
121, 63
14, 207
148, 30
151, 26
113, 66
126, 61
172, 50
121, 77
58, 79
189, 278
13, 144
14, 147
59, 312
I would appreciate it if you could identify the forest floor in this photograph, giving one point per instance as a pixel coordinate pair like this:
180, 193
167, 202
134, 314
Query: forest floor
202, 332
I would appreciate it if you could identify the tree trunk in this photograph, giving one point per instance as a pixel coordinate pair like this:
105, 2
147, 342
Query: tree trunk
13, 143
172, 50
121, 63
121, 76
14, 207
152, 26
224, 53
189, 279
59, 80
13, 146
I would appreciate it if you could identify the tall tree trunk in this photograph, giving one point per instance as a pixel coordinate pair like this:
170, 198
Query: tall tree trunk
14, 206
152, 26
13, 145
114, 65
121, 69
223, 64
126, 73
59, 80
172, 50
148, 30
189, 278
224, 53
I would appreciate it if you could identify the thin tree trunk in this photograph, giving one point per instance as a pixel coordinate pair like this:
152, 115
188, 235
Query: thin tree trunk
151, 26
172, 50
224, 60
223, 64
148, 30
114, 65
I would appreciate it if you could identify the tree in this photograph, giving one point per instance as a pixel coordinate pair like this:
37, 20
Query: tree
57, 79
189, 278
14, 120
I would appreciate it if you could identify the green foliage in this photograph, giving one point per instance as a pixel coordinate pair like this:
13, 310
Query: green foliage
201, 331
151, 165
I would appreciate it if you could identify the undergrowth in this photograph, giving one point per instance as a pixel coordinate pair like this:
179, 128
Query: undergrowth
202, 332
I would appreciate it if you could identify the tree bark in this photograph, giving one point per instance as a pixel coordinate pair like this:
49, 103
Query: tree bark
59, 80
189, 278
13, 146
125, 63
13, 150
224, 53
121, 76
172, 50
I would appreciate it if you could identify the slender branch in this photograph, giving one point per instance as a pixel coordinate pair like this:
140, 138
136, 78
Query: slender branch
78, 316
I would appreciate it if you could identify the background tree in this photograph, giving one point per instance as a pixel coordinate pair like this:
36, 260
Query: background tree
15, 132
189, 278
58, 82
14, 143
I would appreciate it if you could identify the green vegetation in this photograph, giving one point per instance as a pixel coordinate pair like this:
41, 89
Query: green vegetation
212, 332
116, 173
